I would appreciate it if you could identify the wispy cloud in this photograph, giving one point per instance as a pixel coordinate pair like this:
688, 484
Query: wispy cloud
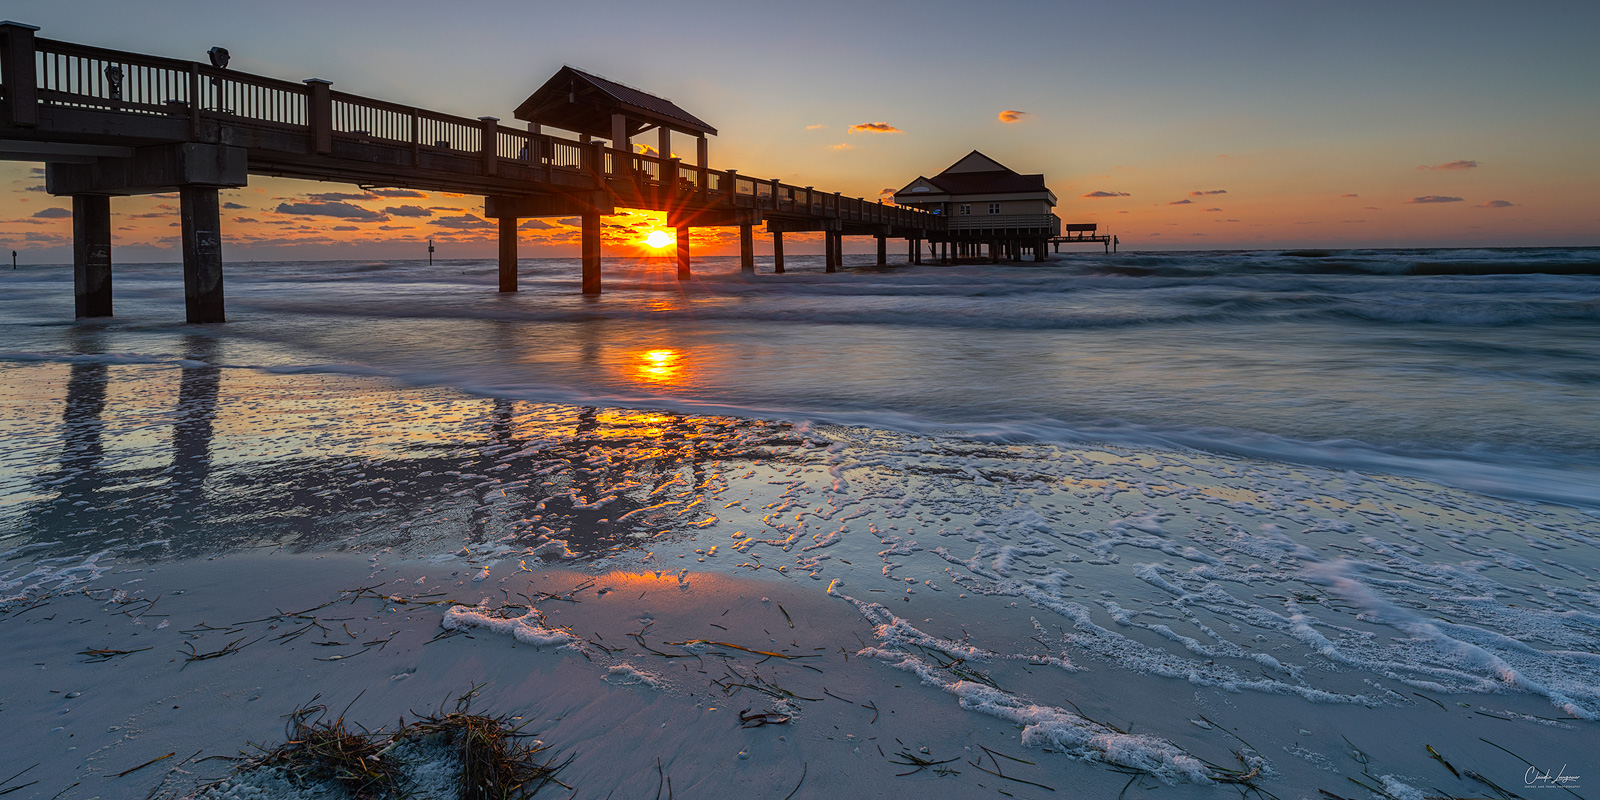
52, 213
885, 192
841, 146
1108, 194
874, 127
463, 222
233, 206
1496, 204
1182, 202
408, 211
1213, 209
340, 210
1451, 165
1349, 195
1204, 192
816, 127
1009, 116
1433, 198
334, 197
397, 193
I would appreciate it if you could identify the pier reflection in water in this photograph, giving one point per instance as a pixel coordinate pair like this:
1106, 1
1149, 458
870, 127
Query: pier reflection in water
324, 461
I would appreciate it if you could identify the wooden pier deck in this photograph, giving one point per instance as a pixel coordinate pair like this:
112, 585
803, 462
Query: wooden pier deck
111, 123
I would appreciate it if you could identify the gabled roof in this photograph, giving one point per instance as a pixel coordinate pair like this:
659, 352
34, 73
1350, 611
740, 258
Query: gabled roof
574, 100
975, 173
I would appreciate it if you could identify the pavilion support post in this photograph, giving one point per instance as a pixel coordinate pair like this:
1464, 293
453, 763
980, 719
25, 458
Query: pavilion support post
747, 248
18, 76
202, 254
508, 254
664, 146
91, 255
777, 252
883, 251
683, 253
319, 114
591, 252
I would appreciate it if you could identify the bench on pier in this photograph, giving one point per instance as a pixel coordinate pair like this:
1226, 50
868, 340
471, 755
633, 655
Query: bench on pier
1079, 232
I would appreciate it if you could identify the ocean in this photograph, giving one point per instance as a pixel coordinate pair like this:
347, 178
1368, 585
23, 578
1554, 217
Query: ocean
1322, 479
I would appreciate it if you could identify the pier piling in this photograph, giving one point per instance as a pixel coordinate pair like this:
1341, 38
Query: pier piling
777, 252
508, 254
91, 255
683, 253
202, 254
747, 248
591, 252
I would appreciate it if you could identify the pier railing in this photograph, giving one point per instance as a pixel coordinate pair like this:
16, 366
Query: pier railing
78, 76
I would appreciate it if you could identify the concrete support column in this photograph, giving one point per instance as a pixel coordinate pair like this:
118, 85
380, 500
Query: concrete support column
1038, 250
830, 255
508, 254
911, 251
202, 254
944, 252
1016, 250
591, 253
916, 251
883, 251
747, 248
91, 255
683, 253
777, 252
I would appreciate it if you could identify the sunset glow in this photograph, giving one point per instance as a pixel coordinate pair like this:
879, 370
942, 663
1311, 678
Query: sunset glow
659, 366
660, 239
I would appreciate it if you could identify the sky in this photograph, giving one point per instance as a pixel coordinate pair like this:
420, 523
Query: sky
1175, 125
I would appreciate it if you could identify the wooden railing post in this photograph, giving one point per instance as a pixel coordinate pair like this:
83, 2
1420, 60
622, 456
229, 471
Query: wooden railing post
21, 77
319, 114
733, 186
488, 144
776, 187
669, 177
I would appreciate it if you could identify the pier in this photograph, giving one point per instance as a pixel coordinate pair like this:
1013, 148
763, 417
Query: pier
108, 123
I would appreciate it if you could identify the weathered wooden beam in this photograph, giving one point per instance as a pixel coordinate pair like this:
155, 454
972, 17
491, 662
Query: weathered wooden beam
91, 255
202, 254
683, 253
591, 253
508, 254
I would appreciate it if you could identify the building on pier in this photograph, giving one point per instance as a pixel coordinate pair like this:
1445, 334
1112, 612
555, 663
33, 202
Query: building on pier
984, 202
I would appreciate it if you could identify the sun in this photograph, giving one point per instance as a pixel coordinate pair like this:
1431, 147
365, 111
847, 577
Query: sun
659, 239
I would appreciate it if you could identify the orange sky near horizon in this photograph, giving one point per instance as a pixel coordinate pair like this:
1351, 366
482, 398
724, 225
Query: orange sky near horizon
1235, 126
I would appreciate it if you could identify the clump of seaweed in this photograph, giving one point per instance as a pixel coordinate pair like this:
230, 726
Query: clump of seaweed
496, 760
321, 751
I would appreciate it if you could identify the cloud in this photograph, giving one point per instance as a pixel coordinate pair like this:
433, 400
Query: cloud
52, 213
245, 219
885, 192
1452, 165
1108, 194
463, 222
1495, 204
1183, 202
1203, 193
1349, 195
841, 146
408, 211
815, 127
346, 228
1433, 198
396, 193
334, 197
233, 206
534, 224
340, 210
1213, 209
1009, 116
874, 127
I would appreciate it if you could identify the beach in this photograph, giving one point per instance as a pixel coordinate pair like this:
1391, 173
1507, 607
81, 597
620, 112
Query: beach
1164, 524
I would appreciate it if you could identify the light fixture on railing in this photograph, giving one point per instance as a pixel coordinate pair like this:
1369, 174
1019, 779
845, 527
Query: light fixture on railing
218, 56
113, 74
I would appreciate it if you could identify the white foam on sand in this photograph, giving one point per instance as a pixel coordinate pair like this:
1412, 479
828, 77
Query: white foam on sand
1042, 725
527, 627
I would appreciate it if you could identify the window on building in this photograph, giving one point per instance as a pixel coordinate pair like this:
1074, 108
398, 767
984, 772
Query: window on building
964, 209
994, 208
